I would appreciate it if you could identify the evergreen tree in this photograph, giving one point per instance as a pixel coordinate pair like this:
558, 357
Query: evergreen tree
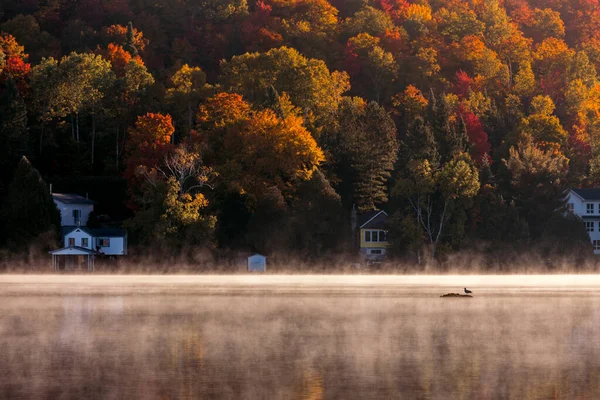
536, 183
364, 148
129, 44
13, 131
451, 136
29, 213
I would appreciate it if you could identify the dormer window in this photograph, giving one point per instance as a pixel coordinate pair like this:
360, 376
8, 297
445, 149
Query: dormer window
590, 208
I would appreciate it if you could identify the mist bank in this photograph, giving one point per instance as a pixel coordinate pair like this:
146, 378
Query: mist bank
416, 285
459, 264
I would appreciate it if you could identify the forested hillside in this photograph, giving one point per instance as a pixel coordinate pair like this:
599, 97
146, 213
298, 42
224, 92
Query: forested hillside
259, 125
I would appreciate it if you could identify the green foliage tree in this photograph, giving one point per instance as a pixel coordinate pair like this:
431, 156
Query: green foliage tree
363, 146
565, 238
319, 227
188, 87
536, 183
13, 132
173, 210
29, 213
368, 20
308, 82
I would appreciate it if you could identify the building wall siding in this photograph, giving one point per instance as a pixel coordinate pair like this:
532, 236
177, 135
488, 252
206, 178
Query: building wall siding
78, 236
66, 213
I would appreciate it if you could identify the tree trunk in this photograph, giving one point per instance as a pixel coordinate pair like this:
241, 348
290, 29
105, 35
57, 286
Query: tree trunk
190, 116
77, 125
72, 127
93, 138
117, 150
41, 138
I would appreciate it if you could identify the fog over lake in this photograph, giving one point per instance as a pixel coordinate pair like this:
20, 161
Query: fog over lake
299, 337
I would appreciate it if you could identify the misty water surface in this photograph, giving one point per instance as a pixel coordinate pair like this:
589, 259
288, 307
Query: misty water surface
299, 337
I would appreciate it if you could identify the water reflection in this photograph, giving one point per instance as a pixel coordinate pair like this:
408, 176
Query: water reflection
170, 346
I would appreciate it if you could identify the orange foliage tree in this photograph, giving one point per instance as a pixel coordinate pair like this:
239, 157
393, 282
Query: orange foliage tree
148, 143
119, 58
256, 150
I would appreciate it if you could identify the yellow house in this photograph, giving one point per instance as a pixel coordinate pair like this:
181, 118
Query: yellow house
373, 235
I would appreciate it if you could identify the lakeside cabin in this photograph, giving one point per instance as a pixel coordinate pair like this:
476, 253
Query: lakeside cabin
81, 245
373, 241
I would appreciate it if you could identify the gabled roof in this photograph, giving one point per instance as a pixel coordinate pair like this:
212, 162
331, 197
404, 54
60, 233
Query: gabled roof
71, 198
588, 194
72, 250
372, 219
95, 232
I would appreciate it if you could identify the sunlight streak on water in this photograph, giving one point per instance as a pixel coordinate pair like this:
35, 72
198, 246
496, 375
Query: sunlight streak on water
482, 284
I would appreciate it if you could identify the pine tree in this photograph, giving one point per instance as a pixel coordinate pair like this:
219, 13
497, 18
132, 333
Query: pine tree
364, 149
13, 131
29, 212
129, 44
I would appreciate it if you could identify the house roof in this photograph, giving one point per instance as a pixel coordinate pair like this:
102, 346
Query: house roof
71, 198
372, 219
95, 232
588, 194
72, 250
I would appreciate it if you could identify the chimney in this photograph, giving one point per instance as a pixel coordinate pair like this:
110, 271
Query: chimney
86, 196
50, 188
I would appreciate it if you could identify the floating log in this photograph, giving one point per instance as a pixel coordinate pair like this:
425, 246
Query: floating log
455, 295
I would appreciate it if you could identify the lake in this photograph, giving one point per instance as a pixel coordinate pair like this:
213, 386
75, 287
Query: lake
299, 337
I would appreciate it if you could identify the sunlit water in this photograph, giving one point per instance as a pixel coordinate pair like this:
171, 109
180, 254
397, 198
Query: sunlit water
299, 337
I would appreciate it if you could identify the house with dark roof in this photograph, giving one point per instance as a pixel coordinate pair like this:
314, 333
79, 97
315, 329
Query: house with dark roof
372, 230
585, 203
74, 209
83, 244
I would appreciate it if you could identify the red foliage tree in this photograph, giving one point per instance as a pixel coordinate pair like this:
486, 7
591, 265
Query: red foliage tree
480, 147
463, 84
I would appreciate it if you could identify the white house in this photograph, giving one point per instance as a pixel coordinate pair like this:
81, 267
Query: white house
585, 203
107, 241
74, 209
83, 244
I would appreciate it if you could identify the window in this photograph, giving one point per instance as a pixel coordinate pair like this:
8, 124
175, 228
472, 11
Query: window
375, 251
84, 242
596, 244
571, 207
104, 242
590, 208
589, 226
77, 217
71, 241
374, 236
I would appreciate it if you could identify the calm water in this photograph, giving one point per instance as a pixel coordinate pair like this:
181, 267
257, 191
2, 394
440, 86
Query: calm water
299, 337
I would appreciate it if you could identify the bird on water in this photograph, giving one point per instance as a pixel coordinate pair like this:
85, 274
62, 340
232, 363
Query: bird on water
467, 291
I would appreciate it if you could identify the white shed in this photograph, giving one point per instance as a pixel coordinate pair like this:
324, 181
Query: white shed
257, 263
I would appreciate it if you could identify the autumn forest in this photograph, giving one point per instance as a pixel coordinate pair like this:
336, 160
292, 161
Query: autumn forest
220, 126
